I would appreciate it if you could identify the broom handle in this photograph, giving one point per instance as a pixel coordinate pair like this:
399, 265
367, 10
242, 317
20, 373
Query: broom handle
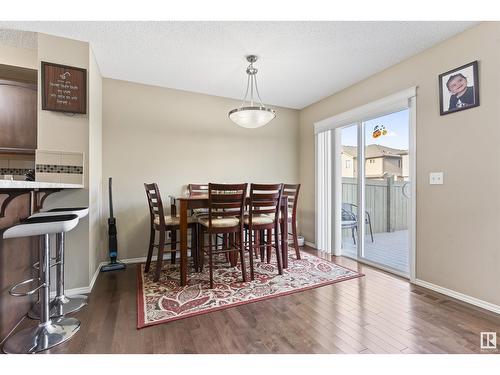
110, 198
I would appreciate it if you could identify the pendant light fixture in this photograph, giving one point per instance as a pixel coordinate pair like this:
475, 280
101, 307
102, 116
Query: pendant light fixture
250, 114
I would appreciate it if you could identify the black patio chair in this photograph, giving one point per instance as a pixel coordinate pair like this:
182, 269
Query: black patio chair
350, 219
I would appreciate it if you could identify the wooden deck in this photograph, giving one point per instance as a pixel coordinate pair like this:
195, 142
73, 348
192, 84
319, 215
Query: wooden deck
390, 249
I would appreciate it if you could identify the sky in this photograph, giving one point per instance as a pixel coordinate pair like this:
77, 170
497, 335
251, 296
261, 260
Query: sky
397, 131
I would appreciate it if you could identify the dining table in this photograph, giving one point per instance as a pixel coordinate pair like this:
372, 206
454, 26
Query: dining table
190, 202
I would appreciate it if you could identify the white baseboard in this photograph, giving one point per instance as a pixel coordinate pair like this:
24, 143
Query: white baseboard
137, 260
84, 289
460, 296
310, 244
88, 289
166, 256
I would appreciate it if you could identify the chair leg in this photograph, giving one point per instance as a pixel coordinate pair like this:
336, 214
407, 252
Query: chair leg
173, 240
278, 250
194, 246
233, 257
250, 257
201, 245
224, 243
269, 251
210, 260
256, 243
150, 251
295, 239
242, 257
353, 237
262, 237
269, 243
159, 261
262, 252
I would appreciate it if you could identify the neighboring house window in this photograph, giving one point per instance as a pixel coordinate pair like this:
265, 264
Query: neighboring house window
372, 161
399, 163
348, 164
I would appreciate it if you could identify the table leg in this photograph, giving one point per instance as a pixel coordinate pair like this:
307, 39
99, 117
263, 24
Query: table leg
284, 232
183, 240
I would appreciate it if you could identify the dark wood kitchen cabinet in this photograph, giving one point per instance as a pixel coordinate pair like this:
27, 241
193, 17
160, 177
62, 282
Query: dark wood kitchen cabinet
18, 115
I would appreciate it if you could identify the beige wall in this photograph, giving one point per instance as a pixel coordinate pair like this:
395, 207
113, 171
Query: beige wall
457, 223
97, 247
172, 137
61, 132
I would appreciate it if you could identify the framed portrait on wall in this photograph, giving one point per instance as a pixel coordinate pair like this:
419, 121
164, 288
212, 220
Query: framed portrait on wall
459, 89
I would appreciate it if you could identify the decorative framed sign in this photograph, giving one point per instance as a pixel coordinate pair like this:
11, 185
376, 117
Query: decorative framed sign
64, 88
459, 89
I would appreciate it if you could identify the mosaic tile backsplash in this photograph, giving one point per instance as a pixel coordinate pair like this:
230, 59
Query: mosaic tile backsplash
13, 171
51, 168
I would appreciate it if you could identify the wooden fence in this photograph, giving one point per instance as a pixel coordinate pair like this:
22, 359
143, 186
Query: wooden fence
385, 202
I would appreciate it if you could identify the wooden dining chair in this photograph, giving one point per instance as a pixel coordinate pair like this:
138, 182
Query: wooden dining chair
197, 189
225, 216
263, 218
166, 223
202, 189
292, 192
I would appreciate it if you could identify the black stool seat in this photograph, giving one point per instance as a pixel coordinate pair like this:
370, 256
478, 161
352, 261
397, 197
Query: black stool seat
41, 225
81, 212
48, 219
59, 209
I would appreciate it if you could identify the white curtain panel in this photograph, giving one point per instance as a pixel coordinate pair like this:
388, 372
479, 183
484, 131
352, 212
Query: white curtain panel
324, 174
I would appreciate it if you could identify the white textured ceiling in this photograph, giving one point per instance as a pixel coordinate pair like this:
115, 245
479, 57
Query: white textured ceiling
300, 62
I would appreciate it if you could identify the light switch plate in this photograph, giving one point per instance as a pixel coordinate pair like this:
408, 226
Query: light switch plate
436, 178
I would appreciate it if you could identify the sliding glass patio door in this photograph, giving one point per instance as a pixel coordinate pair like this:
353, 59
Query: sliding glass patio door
349, 188
375, 193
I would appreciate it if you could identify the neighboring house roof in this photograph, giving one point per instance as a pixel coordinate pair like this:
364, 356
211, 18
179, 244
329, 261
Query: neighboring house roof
374, 151
350, 150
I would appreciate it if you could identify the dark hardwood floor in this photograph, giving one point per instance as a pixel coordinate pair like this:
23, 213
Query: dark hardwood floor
378, 313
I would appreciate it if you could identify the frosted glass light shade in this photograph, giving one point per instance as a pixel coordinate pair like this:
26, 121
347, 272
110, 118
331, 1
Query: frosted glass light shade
252, 117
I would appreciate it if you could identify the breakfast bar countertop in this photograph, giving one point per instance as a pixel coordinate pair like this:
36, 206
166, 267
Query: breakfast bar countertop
15, 184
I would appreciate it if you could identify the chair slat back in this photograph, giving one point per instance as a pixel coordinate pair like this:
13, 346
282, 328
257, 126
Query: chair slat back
197, 189
264, 200
226, 200
154, 202
292, 192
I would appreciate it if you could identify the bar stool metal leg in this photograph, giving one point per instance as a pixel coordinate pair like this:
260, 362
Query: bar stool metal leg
49, 332
61, 305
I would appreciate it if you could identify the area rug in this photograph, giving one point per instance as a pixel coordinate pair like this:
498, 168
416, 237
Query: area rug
165, 301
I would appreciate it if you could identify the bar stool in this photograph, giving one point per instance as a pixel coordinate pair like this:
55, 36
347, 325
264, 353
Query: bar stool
61, 304
49, 332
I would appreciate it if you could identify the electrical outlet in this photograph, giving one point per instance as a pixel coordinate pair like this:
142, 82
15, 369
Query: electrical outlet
436, 178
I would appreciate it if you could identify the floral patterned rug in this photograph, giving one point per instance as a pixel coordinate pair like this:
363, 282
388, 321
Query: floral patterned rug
166, 300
